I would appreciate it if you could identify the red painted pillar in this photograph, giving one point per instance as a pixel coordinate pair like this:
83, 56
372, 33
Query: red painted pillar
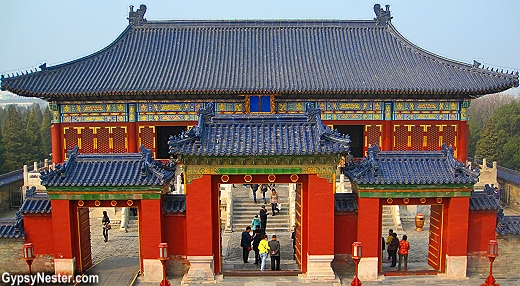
150, 235
319, 232
132, 138
456, 239
387, 133
57, 148
462, 142
369, 234
62, 218
200, 231
320, 212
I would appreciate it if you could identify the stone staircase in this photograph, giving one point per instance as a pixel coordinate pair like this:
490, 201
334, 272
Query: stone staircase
388, 221
244, 210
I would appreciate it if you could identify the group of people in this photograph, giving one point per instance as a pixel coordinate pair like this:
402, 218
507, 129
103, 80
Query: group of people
394, 247
259, 242
274, 200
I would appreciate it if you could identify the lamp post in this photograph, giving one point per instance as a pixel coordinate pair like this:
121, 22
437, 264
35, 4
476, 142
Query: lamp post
356, 256
163, 256
492, 254
28, 256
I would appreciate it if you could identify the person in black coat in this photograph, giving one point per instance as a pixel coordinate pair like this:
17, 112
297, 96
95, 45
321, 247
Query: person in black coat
245, 243
263, 218
256, 241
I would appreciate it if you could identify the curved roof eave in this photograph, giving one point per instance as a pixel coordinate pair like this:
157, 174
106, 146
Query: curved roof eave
13, 83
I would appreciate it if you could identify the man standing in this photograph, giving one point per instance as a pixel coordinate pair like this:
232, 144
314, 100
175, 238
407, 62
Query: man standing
388, 241
275, 253
263, 218
245, 243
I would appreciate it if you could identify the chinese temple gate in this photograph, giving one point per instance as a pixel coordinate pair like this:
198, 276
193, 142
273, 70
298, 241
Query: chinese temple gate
254, 102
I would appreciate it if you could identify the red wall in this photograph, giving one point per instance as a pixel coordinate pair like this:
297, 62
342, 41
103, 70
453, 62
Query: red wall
320, 216
368, 229
345, 225
481, 228
174, 233
150, 234
38, 231
456, 227
63, 219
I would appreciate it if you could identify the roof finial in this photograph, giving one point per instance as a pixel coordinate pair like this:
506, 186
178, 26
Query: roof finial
383, 17
136, 18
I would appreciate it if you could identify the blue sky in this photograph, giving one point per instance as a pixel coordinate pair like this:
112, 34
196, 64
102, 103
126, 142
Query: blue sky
54, 32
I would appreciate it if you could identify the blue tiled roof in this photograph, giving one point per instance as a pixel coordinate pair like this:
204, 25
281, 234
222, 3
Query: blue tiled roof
108, 170
38, 203
185, 57
345, 202
410, 168
508, 175
174, 203
484, 200
12, 227
250, 135
508, 224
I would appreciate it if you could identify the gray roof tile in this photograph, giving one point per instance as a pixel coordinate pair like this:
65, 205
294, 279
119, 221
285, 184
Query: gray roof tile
355, 58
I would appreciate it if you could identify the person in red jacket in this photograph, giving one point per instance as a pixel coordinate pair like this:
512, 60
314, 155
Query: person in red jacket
404, 246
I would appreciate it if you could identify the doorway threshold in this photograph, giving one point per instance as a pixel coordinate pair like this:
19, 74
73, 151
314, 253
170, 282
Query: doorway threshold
411, 273
257, 273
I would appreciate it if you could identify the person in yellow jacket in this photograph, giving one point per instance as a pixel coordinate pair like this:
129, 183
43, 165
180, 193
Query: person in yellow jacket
263, 249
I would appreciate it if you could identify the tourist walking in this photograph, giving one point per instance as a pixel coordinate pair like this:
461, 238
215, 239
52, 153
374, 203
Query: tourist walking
254, 189
275, 199
245, 243
263, 249
392, 249
256, 241
404, 246
275, 253
263, 189
388, 241
255, 222
106, 225
263, 218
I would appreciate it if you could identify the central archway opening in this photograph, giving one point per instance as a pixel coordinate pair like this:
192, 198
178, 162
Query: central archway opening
239, 211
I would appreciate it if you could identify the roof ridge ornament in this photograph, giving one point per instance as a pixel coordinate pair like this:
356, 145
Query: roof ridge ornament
137, 18
383, 17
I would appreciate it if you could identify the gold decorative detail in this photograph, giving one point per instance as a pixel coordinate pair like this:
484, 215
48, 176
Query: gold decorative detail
406, 200
97, 203
113, 203
294, 178
422, 200
439, 200
81, 203
389, 200
271, 178
224, 178
129, 203
248, 178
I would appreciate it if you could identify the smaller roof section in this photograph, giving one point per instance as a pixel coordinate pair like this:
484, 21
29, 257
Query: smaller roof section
508, 176
259, 135
174, 204
410, 168
12, 227
36, 203
108, 170
484, 200
507, 224
345, 202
